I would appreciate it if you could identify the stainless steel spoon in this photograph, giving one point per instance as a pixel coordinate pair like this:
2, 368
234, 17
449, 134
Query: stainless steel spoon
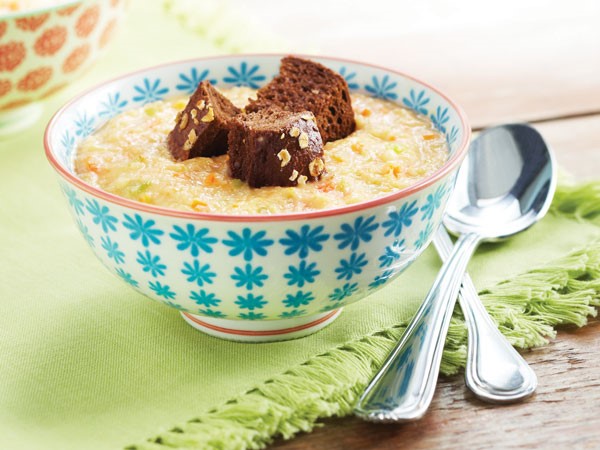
495, 371
504, 186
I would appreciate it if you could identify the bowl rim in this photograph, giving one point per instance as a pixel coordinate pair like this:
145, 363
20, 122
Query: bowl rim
449, 166
38, 11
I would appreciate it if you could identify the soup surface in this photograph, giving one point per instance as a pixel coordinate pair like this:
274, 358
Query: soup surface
392, 148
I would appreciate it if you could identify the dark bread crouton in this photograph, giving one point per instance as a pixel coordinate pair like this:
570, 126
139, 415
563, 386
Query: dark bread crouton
306, 85
272, 147
201, 128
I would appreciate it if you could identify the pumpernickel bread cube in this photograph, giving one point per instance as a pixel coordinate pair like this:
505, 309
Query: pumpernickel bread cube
201, 128
304, 85
272, 147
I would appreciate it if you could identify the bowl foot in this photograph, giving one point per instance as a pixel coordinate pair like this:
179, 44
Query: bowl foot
263, 331
18, 119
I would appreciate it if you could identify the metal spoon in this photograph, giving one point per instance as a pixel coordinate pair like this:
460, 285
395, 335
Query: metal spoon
504, 186
495, 371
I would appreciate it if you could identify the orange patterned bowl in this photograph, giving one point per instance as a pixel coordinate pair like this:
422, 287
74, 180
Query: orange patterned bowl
42, 50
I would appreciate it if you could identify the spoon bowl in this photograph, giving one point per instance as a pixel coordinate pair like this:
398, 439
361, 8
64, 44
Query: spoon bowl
500, 193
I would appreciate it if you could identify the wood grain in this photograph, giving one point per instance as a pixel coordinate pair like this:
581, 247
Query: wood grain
563, 414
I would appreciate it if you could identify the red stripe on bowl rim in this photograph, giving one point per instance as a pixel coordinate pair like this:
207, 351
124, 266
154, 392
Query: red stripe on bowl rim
264, 332
442, 172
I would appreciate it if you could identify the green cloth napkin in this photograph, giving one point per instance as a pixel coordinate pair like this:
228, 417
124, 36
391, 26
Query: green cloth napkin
87, 363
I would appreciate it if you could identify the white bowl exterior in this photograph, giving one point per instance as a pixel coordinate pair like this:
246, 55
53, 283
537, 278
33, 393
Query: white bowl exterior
258, 270
253, 270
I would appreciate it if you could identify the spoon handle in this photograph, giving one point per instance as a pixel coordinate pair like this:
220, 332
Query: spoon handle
495, 371
403, 388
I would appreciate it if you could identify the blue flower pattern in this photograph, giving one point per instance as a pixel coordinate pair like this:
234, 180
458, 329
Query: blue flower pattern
101, 216
248, 243
440, 118
399, 219
245, 76
162, 290
249, 277
424, 236
392, 253
349, 77
298, 299
381, 279
126, 277
203, 298
112, 250
434, 201
212, 313
189, 82
304, 273
350, 267
251, 316
304, 241
345, 291
416, 102
75, 203
150, 91
292, 313
197, 273
142, 229
113, 105
251, 302
193, 239
352, 235
451, 136
84, 125
86, 233
68, 143
151, 263
383, 88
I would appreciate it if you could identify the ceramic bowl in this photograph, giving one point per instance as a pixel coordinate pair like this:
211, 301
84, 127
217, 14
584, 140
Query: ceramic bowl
260, 277
42, 50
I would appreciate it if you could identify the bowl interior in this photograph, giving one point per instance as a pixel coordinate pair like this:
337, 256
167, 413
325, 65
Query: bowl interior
89, 111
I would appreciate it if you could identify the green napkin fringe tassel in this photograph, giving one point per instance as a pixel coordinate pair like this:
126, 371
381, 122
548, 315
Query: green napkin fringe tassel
527, 308
581, 201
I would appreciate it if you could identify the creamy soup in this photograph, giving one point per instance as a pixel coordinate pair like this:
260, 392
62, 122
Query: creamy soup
392, 148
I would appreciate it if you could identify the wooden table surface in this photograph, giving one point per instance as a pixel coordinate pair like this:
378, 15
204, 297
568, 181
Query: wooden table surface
514, 61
